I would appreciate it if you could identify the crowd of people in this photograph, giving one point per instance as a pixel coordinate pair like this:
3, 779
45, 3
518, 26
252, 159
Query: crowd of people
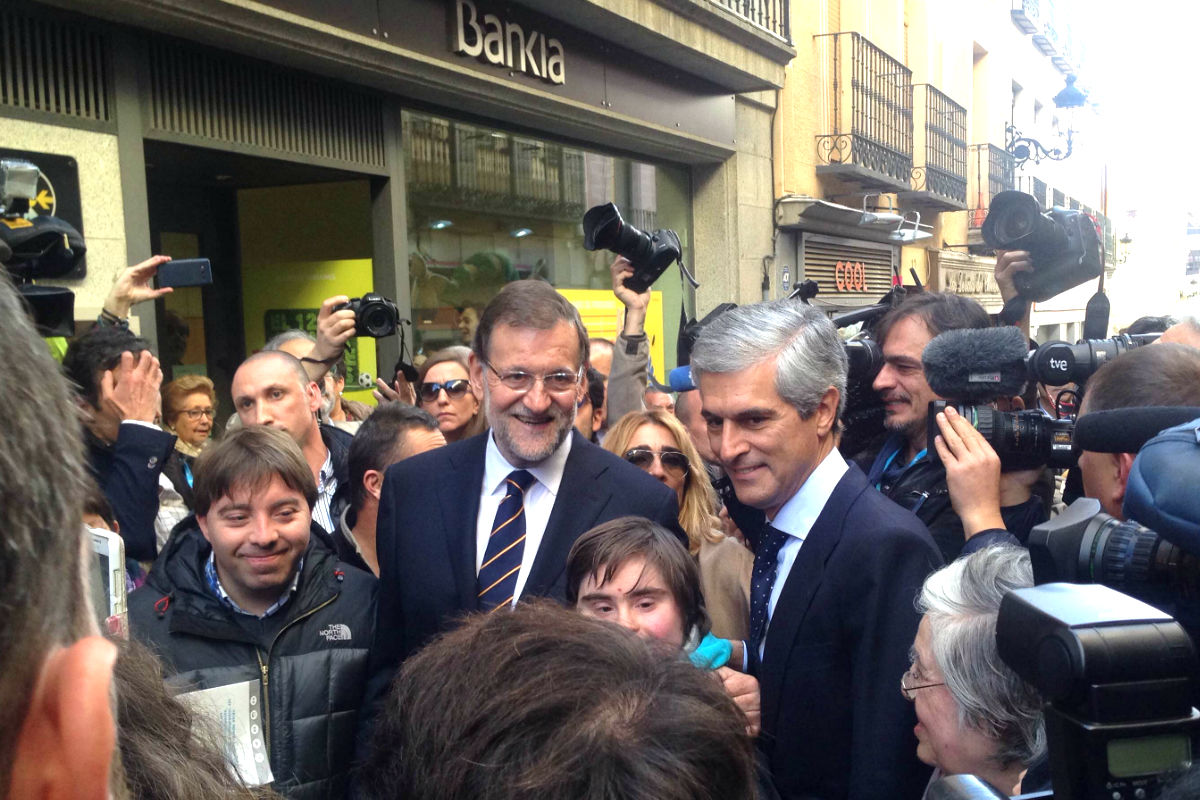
532, 572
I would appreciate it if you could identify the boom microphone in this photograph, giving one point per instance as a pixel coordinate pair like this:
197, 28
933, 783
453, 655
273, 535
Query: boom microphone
1126, 430
976, 365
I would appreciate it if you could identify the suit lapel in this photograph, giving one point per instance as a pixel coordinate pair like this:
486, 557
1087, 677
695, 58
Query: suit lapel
580, 500
801, 586
458, 499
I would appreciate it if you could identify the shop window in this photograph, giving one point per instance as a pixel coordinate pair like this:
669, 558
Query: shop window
486, 206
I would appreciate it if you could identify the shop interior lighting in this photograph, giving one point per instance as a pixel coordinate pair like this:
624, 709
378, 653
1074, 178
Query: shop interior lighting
878, 217
440, 224
520, 233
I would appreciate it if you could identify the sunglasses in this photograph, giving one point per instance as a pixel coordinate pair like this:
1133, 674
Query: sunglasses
642, 458
454, 389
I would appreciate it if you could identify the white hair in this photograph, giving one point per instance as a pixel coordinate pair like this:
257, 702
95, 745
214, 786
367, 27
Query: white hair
810, 356
961, 601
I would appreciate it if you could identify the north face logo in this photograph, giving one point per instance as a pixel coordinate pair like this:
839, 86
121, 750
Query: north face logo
336, 633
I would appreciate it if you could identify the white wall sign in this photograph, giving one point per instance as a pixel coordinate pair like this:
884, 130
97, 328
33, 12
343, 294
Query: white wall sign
507, 44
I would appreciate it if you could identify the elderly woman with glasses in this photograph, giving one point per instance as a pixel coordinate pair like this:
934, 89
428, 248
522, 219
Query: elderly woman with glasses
655, 441
974, 715
189, 407
444, 390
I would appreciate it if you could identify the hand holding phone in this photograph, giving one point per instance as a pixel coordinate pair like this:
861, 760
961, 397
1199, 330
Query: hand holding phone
185, 272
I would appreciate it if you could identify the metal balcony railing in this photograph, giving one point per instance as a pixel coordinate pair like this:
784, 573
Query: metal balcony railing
464, 166
871, 97
770, 15
944, 172
992, 171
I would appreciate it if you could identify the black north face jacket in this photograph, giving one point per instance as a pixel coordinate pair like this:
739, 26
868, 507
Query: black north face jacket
311, 655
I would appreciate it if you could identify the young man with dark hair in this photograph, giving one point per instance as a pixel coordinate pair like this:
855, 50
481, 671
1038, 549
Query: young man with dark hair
902, 469
394, 432
544, 702
117, 382
243, 594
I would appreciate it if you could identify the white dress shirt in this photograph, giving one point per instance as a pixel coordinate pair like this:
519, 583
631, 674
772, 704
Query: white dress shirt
796, 518
539, 502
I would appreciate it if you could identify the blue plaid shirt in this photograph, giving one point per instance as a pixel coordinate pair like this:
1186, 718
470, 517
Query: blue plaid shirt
214, 586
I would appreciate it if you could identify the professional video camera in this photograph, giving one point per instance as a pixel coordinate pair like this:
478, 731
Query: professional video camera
1057, 363
40, 248
1117, 676
974, 367
649, 253
1062, 244
374, 315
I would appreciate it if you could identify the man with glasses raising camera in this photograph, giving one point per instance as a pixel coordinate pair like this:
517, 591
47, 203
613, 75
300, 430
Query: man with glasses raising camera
480, 524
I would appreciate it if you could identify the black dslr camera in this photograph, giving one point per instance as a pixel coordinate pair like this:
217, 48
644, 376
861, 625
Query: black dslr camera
374, 315
1062, 243
41, 248
649, 253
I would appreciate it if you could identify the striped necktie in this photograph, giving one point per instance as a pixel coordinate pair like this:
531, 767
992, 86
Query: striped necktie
497, 581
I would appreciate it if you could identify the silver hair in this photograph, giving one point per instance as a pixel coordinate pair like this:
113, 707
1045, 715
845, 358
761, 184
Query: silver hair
280, 339
961, 601
810, 356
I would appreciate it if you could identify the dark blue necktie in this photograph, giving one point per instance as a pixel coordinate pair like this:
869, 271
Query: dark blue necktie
497, 581
763, 580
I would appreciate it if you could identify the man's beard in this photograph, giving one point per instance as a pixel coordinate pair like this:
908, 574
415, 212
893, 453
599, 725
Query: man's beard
520, 454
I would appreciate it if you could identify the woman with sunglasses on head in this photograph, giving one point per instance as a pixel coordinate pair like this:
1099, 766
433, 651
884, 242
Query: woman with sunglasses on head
444, 390
657, 442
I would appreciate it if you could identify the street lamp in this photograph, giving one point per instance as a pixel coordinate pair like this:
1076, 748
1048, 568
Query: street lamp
1026, 148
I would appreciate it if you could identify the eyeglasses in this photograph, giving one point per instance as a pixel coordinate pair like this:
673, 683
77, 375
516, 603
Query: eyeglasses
454, 389
196, 413
556, 382
642, 458
907, 690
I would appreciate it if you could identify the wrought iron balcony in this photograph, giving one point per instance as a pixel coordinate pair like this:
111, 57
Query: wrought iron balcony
457, 165
1026, 15
991, 172
770, 15
939, 180
870, 95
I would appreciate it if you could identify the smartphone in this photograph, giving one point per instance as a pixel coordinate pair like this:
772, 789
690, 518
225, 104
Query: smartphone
185, 272
108, 580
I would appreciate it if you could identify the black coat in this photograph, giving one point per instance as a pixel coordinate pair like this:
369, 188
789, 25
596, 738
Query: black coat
313, 654
127, 471
834, 723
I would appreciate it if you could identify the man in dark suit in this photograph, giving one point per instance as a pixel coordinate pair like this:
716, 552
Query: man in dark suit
836, 568
484, 522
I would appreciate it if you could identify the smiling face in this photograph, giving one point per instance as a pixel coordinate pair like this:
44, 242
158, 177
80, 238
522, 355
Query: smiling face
529, 426
901, 381
637, 598
941, 741
767, 449
194, 431
453, 414
257, 535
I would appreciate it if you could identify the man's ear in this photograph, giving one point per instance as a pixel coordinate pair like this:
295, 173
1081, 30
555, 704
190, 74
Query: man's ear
313, 390
373, 482
202, 521
826, 411
65, 747
1124, 467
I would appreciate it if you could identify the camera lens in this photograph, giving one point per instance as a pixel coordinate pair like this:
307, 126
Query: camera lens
1019, 222
377, 321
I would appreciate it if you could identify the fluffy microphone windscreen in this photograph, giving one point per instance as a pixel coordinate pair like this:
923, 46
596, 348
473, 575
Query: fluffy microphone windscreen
1126, 430
976, 364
